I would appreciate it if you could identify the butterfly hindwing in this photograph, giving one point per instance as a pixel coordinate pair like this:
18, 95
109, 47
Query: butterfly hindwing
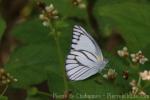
82, 61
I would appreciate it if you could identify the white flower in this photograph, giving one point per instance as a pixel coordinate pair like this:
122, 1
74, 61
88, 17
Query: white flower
47, 14
134, 60
82, 6
120, 53
133, 83
124, 52
55, 17
79, 3
55, 12
45, 23
142, 93
6, 78
142, 61
2, 71
15, 80
139, 58
146, 59
135, 89
145, 75
105, 76
111, 74
140, 52
125, 49
41, 16
49, 8
132, 55
111, 71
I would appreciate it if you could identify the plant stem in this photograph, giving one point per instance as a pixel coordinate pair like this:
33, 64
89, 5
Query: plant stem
44, 93
4, 91
61, 61
56, 38
139, 82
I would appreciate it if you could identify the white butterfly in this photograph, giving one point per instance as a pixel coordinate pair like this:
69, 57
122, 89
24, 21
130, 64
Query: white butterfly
85, 57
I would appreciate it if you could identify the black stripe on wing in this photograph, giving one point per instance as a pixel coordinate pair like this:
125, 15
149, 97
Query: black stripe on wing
72, 68
79, 72
80, 64
75, 76
88, 56
77, 32
80, 30
75, 38
86, 68
82, 52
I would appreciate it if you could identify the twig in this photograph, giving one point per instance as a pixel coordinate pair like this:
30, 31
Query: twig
5, 44
4, 91
92, 20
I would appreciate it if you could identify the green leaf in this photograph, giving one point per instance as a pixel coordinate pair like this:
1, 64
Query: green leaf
36, 59
32, 91
29, 61
131, 19
3, 98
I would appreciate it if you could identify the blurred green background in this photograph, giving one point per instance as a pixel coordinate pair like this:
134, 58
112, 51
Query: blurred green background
35, 61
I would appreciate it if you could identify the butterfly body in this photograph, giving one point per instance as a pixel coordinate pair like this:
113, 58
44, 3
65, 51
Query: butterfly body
85, 57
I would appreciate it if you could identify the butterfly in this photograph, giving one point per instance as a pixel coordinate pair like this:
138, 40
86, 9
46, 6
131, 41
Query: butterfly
85, 57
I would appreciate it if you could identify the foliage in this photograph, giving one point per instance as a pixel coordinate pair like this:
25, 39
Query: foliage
131, 19
2, 26
3, 98
36, 59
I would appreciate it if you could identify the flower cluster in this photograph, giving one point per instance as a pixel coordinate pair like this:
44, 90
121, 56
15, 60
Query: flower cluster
79, 3
145, 75
124, 52
136, 90
48, 13
138, 58
6, 78
111, 74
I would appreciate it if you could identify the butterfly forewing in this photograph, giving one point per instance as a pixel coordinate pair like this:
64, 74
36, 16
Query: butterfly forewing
84, 57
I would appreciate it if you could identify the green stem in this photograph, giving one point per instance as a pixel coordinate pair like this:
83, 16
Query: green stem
61, 61
56, 38
4, 91
139, 82
44, 93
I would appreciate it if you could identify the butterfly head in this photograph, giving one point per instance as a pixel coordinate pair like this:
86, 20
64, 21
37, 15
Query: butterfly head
103, 64
105, 61
99, 58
